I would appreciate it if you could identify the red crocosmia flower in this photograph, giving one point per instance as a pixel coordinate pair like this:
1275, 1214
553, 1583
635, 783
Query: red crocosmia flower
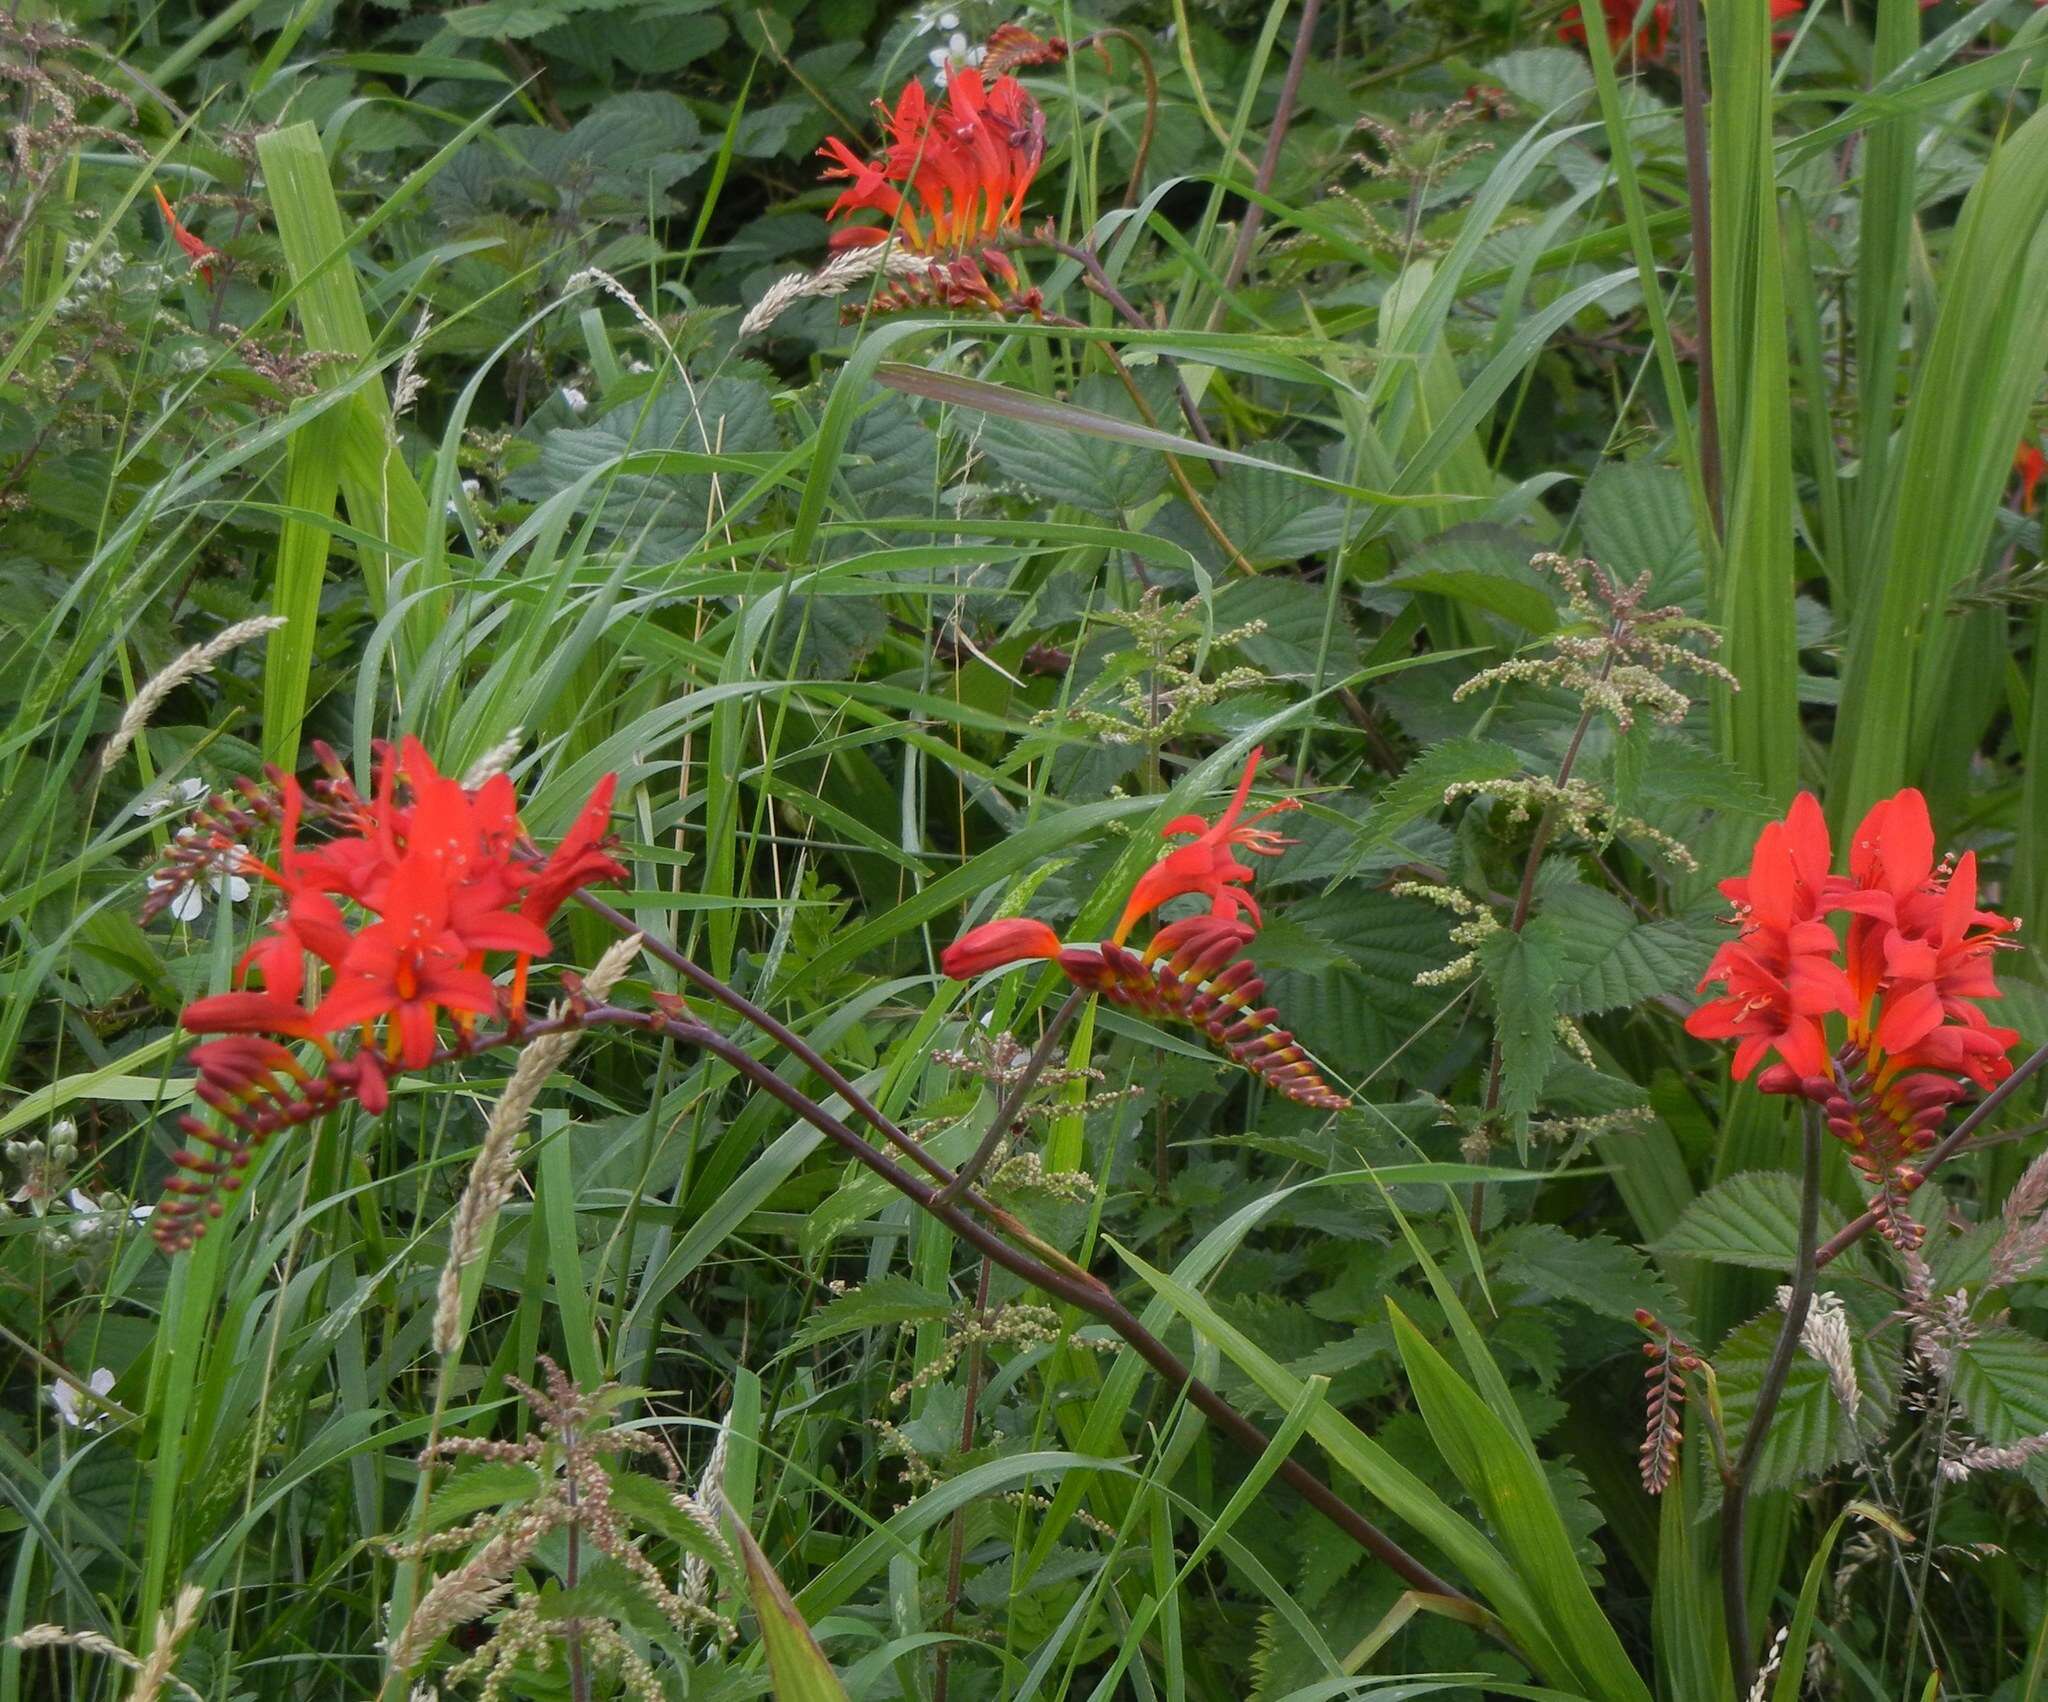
2030, 464
1620, 18
997, 945
949, 182
201, 256
246, 1013
1653, 40
384, 925
1192, 970
578, 861
1908, 981
1206, 865
408, 968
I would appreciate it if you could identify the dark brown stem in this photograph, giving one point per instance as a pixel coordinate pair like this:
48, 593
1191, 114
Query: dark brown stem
1151, 76
1736, 1479
1986, 1107
956, 1559
780, 1032
1692, 84
1012, 1102
1073, 1285
1101, 283
1269, 161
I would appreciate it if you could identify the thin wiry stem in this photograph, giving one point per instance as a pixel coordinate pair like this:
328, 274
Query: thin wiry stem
1737, 1479
1269, 161
1013, 1101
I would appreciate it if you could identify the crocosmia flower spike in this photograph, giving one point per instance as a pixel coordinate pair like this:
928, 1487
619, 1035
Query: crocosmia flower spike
1876, 1028
399, 910
948, 184
1191, 970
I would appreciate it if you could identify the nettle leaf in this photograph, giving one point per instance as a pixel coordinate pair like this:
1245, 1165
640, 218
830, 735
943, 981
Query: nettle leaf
1358, 1017
1272, 518
1610, 958
1524, 971
1597, 1271
503, 20
627, 146
1486, 567
1293, 612
2001, 1378
886, 1301
1680, 774
1544, 79
891, 461
1419, 789
1063, 466
1638, 517
1810, 1431
1751, 1219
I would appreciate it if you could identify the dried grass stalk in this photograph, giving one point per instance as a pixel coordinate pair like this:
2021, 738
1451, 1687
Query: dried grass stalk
838, 275
194, 662
497, 1160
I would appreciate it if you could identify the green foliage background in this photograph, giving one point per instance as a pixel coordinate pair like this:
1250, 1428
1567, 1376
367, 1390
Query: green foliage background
893, 625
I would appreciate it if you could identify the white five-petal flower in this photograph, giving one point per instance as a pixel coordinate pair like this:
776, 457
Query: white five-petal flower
72, 1408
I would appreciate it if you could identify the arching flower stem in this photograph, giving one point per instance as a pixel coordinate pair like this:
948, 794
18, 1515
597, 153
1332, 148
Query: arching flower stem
1952, 1143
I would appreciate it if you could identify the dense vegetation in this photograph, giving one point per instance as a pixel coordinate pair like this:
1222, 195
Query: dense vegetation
1174, 872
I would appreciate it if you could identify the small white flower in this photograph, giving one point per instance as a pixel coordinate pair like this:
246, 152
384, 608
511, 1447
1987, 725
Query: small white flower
957, 51
190, 904
472, 488
574, 400
71, 1408
636, 366
182, 796
90, 1217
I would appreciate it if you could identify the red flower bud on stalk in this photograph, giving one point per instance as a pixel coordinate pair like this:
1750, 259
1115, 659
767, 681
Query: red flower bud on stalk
1191, 970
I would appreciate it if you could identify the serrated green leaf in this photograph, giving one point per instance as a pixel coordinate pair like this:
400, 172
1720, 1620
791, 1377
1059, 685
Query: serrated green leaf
1419, 788
1810, 1431
1638, 517
1523, 971
1064, 466
1596, 1271
1293, 612
1265, 515
1751, 1219
1359, 1016
1609, 958
2001, 1378
1486, 567
887, 1300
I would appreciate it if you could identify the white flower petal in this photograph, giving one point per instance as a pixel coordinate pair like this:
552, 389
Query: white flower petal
189, 905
